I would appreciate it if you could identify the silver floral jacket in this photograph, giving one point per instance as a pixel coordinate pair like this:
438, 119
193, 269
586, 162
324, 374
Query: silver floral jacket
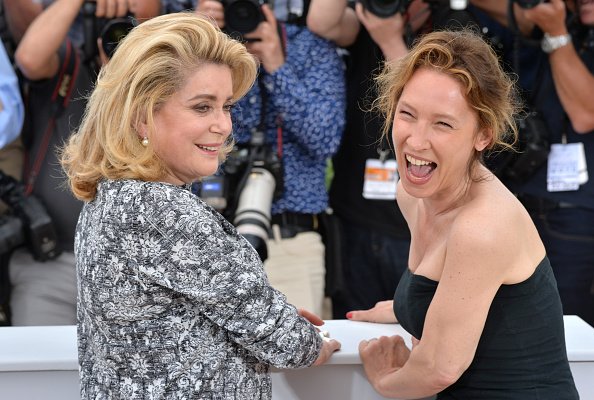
174, 304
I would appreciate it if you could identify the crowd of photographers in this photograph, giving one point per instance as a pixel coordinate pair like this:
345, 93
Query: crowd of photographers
310, 105
548, 46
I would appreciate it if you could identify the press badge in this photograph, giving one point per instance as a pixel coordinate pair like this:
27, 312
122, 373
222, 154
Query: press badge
380, 180
566, 169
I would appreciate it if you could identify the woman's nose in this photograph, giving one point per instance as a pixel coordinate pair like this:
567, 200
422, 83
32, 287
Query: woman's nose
419, 138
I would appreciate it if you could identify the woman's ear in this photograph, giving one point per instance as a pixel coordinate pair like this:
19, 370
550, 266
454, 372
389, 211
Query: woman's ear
484, 138
141, 127
141, 130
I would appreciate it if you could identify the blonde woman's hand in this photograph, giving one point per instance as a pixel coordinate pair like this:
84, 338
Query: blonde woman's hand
382, 312
329, 346
311, 317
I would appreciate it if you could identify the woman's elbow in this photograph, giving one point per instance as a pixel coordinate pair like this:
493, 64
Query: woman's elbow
439, 377
431, 387
444, 378
434, 381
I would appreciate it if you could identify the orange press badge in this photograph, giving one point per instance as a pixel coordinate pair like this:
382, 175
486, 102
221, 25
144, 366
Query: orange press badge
380, 180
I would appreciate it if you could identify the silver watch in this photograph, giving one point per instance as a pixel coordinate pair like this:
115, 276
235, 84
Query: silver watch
551, 43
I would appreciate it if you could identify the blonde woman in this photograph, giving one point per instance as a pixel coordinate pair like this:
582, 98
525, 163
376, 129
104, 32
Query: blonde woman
173, 303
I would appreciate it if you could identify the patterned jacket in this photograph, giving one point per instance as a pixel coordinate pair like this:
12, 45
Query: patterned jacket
174, 303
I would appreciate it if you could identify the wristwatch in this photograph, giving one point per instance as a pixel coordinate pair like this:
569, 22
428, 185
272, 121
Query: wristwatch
551, 43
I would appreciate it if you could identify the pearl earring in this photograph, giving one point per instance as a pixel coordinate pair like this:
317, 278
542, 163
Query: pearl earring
144, 141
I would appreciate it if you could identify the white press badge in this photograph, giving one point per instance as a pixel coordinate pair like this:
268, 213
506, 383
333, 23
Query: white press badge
566, 169
380, 181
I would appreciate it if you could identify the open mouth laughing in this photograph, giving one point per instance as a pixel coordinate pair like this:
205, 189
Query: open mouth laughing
419, 168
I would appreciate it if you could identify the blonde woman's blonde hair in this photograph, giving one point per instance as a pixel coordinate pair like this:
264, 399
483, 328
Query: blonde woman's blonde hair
151, 64
466, 57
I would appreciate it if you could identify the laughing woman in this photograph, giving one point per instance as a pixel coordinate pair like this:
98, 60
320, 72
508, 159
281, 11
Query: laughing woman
479, 294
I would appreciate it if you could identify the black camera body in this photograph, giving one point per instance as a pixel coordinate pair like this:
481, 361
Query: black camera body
534, 147
529, 3
252, 179
533, 151
111, 31
385, 8
29, 223
242, 16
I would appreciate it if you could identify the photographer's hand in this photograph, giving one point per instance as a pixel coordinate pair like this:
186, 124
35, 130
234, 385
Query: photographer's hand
265, 42
111, 8
213, 9
549, 17
386, 32
574, 81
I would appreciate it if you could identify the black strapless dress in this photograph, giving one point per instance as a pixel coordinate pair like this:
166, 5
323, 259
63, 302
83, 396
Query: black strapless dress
521, 354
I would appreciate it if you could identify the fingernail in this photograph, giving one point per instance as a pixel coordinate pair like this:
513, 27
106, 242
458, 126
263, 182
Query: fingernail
349, 315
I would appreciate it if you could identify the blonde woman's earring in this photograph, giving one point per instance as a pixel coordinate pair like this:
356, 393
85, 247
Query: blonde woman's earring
144, 141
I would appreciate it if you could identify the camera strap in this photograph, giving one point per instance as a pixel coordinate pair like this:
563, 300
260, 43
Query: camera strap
282, 34
59, 101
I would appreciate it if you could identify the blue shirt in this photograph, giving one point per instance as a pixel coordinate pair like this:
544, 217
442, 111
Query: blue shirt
13, 111
308, 96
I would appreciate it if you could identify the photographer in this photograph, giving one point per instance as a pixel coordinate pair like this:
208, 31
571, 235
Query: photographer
551, 46
58, 76
299, 105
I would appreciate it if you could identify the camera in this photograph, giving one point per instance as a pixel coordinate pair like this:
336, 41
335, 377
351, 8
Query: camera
111, 31
28, 223
242, 16
252, 178
529, 3
385, 8
533, 150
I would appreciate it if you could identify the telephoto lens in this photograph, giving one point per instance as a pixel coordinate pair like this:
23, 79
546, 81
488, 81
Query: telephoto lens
252, 218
